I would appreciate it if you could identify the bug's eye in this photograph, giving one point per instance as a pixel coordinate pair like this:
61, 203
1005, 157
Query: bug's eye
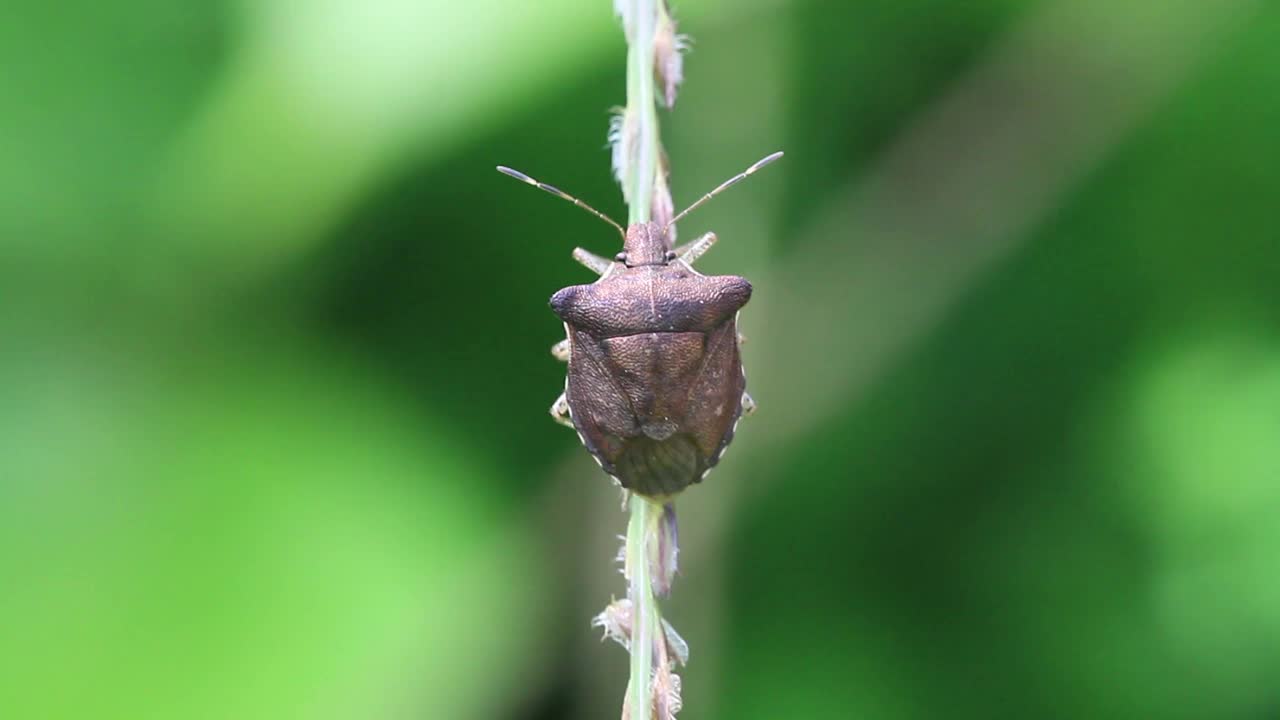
671, 255
620, 257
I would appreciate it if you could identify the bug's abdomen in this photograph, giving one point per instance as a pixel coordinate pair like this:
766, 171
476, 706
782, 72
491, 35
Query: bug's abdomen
659, 467
656, 409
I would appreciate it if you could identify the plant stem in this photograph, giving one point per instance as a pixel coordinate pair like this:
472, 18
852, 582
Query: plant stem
644, 516
641, 101
640, 179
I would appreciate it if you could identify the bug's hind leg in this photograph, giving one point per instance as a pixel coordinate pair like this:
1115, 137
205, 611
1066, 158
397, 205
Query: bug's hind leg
593, 262
748, 404
690, 252
560, 350
560, 411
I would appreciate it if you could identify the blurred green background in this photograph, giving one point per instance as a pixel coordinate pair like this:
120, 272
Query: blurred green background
274, 369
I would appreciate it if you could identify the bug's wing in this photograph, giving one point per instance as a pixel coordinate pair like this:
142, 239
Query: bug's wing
715, 399
602, 412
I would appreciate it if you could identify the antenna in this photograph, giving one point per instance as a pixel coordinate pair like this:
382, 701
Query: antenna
563, 195
723, 186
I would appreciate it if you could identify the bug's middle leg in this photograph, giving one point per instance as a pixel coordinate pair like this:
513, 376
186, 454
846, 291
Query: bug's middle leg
560, 350
560, 411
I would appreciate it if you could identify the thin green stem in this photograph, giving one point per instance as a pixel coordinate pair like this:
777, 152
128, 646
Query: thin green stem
640, 178
644, 518
641, 101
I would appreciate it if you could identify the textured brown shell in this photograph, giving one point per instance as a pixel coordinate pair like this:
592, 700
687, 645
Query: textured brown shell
655, 379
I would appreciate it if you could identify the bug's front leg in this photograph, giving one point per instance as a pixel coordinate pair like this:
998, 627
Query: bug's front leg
560, 411
690, 252
560, 350
591, 261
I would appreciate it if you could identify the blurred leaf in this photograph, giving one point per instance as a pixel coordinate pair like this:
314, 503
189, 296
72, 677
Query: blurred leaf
238, 534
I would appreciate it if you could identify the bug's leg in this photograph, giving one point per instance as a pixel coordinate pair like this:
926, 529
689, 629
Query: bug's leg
748, 404
560, 411
690, 252
560, 350
593, 262
742, 339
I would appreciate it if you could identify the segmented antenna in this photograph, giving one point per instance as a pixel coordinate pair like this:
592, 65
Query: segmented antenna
724, 186
562, 195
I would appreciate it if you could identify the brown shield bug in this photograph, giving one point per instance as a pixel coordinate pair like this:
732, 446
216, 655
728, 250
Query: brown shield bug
655, 386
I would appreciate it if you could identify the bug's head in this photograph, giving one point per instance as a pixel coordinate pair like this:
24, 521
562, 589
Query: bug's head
645, 244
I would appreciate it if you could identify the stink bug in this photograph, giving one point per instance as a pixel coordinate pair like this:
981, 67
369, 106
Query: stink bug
655, 386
